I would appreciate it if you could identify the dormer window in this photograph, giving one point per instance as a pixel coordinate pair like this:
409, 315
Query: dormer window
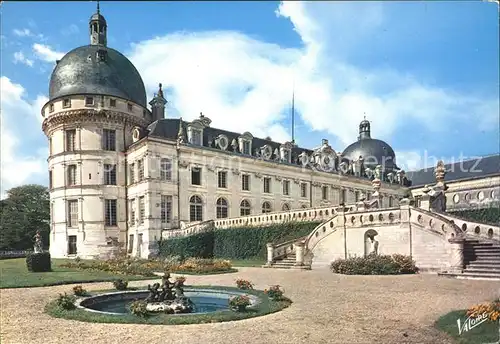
129, 107
245, 143
112, 103
196, 137
101, 55
89, 101
66, 103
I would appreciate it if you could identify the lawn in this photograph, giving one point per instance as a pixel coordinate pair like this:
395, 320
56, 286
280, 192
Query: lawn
487, 332
248, 263
14, 274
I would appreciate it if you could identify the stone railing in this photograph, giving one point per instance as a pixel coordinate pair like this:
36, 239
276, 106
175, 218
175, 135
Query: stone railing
309, 214
474, 230
275, 252
323, 230
199, 227
435, 222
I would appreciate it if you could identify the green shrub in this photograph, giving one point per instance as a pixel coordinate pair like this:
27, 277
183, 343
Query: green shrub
38, 262
488, 215
235, 243
66, 301
120, 284
79, 291
375, 265
138, 308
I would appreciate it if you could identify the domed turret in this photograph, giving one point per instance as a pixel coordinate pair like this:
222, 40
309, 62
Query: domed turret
374, 152
96, 69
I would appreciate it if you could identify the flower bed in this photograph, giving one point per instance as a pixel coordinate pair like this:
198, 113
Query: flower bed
124, 265
375, 265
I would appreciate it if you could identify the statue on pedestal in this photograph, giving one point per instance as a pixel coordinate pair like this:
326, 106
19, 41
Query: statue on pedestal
38, 247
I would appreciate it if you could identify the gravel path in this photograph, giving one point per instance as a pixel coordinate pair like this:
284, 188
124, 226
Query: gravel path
327, 308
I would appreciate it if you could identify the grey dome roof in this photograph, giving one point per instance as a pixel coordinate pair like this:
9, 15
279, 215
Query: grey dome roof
374, 152
81, 71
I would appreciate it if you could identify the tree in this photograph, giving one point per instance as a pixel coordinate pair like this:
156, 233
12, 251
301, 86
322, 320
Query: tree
25, 210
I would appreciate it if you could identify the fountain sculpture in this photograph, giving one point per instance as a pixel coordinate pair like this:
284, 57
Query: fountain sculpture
170, 299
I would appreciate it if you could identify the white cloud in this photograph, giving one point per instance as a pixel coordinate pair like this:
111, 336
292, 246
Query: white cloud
18, 125
46, 53
70, 30
230, 76
20, 58
23, 32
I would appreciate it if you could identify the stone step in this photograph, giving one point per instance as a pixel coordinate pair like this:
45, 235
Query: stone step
483, 270
485, 261
284, 266
487, 254
478, 276
485, 248
483, 266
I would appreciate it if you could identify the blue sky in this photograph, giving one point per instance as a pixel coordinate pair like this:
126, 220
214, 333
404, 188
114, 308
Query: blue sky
424, 73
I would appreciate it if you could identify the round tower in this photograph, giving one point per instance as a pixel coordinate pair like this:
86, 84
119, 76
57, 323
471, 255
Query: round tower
96, 99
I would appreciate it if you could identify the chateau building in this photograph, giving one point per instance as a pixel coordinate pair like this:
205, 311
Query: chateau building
121, 172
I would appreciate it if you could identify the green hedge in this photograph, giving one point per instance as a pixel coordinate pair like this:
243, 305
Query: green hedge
38, 262
235, 243
486, 215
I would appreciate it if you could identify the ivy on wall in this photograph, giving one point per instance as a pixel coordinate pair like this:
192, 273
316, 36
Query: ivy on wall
235, 243
489, 215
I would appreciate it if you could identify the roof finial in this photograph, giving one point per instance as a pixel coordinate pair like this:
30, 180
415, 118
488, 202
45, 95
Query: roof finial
160, 91
98, 9
201, 115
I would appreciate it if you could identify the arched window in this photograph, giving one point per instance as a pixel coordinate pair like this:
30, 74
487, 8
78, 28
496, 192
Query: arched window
195, 209
266, 207
221, 211
390, 201
245, 208
285, 207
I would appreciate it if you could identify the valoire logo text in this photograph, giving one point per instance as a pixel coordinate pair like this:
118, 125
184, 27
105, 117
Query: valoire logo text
471, 322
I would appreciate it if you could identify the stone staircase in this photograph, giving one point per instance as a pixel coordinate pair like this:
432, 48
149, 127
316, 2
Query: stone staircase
288, 262
481, 259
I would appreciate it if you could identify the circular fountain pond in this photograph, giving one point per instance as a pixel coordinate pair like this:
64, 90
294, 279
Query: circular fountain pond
204, 300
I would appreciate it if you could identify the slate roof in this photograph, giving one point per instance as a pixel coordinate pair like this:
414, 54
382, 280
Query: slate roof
466, 169
169, 127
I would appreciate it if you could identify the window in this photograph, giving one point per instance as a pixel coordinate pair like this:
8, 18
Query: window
131, 171
324, 192
71, 244
89, 101
356, 196
222, 179
109, 174
73, 213
286, 187
195, 209
110, 212
246, 148
130, 243
267, 185
285, 207
112, 103
390, 201
51, 107
303, 190
166, 169
66, 103
196, 176
166, 209
132, 211
142, 210
245, 208
50, 180
221, 211
140, 168
70, 140
196, 137
109, 139
71, 171
342, 196
266, 207
129, 107
245, 182
50, 145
